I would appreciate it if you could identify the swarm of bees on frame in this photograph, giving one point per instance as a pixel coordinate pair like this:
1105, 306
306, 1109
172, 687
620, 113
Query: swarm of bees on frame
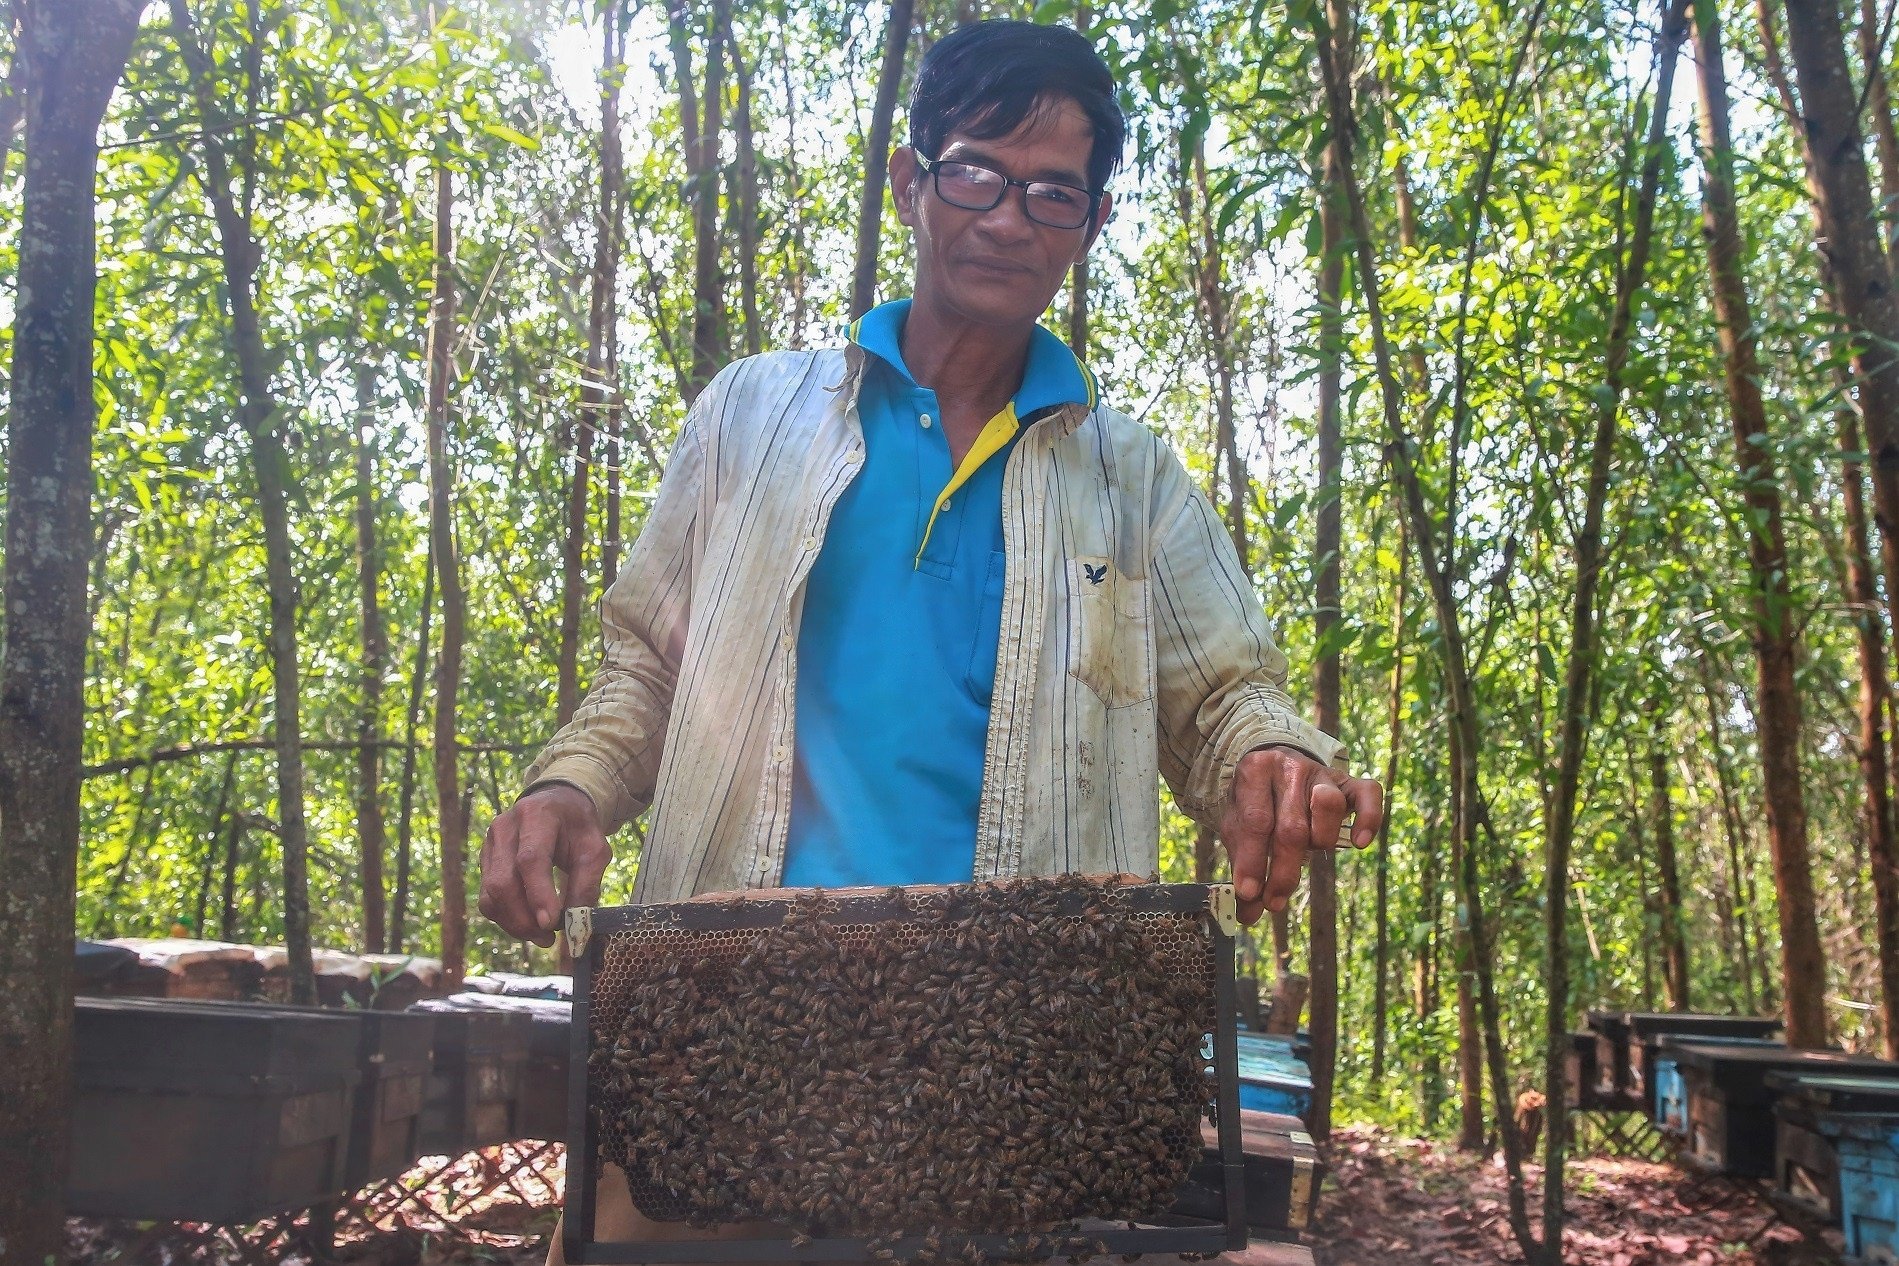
994, 1062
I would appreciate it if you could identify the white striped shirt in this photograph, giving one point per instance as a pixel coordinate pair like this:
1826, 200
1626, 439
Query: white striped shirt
1132, 644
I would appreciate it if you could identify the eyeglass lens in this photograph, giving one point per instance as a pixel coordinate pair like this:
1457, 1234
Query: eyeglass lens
976, 188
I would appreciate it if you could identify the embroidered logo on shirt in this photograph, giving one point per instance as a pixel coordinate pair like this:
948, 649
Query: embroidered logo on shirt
1095, 575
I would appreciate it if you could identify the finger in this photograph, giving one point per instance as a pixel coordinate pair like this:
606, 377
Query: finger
502, 899
1367, 797
586, 870
1292, 833
534, 862
1244, 829
1327, 808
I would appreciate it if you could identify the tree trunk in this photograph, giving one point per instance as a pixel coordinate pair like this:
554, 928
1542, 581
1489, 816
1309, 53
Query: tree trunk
1578, 669
405, 835
745, 179
597, 391
1740, 874
1465, 782
1885, 136
449, 812
375, 643
1803, 967
263, 422
700, 139
1876, 811
870, 203
1668, 875
1322, 945
69, 58
1862, 285
203, 907
12, 101
1381, 910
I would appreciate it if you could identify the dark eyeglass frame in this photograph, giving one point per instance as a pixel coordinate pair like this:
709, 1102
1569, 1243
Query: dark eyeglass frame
934, 166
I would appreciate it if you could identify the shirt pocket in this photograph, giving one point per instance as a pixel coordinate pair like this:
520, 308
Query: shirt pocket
980, 676
1108, 631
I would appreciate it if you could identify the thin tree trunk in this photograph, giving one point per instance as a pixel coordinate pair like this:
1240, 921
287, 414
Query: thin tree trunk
700, 138
263, 422
870, 203
1661, 806
1872, 60
596, 390
12, 100
418, 676
1078, 275
1381, 910
1444, 602
745, 177
375, 644
1876, 808
1578, 677
1322, 945
233, 841
1862, 285
1740, 875
1771, 598
796, 265
448, 668
1424, 979
69, 58
1876, 811
211, 845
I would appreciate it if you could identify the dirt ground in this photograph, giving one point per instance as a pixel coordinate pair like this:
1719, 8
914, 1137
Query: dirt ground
1390, 1201
1387, 1202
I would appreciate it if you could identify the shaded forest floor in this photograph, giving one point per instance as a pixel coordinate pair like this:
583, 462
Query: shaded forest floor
1388, 1201
1392, 1200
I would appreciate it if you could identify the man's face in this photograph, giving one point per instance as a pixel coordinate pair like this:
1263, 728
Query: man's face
999, 267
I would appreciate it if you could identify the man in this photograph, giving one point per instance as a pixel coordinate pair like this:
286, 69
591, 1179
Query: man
923, 609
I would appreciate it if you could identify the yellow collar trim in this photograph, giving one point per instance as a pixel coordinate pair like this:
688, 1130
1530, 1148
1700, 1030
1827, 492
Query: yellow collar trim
995, 435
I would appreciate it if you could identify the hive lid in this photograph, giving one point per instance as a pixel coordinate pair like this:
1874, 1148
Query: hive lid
275, 1045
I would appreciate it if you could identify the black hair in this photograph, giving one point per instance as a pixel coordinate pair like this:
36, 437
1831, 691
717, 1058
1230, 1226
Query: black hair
986, 78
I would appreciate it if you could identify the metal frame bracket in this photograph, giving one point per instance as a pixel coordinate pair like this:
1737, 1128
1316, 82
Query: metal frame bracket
579, 929
1224, 907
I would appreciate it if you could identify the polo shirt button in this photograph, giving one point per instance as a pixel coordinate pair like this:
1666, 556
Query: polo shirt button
785, 641
944, 504
810, 543
779, 753
925, 420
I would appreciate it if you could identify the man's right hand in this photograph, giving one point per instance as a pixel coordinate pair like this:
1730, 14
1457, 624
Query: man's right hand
554, 826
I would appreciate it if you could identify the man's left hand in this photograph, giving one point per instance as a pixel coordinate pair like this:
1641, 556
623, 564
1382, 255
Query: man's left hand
1282, 805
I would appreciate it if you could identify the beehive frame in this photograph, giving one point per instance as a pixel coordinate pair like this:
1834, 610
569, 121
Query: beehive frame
590, 934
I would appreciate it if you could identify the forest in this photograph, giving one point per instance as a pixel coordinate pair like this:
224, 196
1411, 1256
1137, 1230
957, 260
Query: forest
1542, 360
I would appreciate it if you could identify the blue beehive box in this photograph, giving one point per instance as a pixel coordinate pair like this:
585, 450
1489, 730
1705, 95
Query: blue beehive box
1272, 1078
1671, 1088
1859, 1117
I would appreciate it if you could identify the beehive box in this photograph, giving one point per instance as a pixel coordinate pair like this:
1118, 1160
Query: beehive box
541, 1098
1668, 1089
1613, 1091
474, 1087
1731, 1124
906, 1071
191, 1111
1283, 1176
396, 1054
1867, 1144
1579, 1065
1807, 1164
1648, 1029
1273, 1079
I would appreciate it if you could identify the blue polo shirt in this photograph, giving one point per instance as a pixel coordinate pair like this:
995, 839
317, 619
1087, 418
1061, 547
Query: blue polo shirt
897, 647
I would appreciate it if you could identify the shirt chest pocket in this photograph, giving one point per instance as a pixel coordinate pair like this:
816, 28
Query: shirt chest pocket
1108, 631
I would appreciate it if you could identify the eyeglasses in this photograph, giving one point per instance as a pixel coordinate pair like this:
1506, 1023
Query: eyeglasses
975, 188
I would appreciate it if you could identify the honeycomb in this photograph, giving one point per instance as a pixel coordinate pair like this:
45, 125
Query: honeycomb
984, 1058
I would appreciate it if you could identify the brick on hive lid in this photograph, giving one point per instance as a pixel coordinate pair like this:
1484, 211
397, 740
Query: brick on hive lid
397, 981
179, 967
